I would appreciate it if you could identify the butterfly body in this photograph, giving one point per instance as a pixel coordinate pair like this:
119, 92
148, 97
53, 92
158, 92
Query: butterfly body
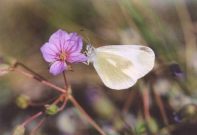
120, 66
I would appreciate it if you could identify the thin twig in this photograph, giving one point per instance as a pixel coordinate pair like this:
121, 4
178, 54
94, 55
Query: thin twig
90, 120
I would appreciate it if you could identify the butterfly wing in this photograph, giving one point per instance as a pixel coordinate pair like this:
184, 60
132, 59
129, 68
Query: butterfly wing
120, 66
113, 77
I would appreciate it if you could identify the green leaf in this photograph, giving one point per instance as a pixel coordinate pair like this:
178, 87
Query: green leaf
140, 127
152, 125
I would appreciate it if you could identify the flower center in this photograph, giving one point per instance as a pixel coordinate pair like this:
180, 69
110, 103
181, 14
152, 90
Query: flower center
62, 56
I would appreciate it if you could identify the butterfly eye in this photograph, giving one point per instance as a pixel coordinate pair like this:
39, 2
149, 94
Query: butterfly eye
88, 47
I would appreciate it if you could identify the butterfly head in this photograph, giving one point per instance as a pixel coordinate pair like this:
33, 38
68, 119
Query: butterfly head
90, 52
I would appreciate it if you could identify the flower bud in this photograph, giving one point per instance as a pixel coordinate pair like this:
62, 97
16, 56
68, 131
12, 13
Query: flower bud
51, 109
22, 101
19, 130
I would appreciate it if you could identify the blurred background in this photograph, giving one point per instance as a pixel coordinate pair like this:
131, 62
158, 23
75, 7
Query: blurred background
164, 102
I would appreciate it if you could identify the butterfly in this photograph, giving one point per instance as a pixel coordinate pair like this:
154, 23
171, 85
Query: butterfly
120, 66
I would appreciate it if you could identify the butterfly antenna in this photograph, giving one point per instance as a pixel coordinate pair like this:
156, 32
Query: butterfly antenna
89, 45
86, 37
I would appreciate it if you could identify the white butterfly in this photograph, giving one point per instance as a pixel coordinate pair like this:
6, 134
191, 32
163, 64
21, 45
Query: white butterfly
120, 66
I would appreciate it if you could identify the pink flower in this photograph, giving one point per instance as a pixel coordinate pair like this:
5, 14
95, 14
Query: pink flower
62, 49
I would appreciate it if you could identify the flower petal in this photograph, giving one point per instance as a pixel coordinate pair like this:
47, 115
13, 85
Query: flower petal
75, 43
76, 57
59, 39
57, 67
49, 52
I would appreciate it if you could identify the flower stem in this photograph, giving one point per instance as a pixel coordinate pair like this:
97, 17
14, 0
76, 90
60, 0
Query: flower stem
63, 105
145, 98
128, 102
66, 94
45, 82
60, 98
31, 118
28, 69
76, 104
65, 80
161, 107
90, 120
38, 126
